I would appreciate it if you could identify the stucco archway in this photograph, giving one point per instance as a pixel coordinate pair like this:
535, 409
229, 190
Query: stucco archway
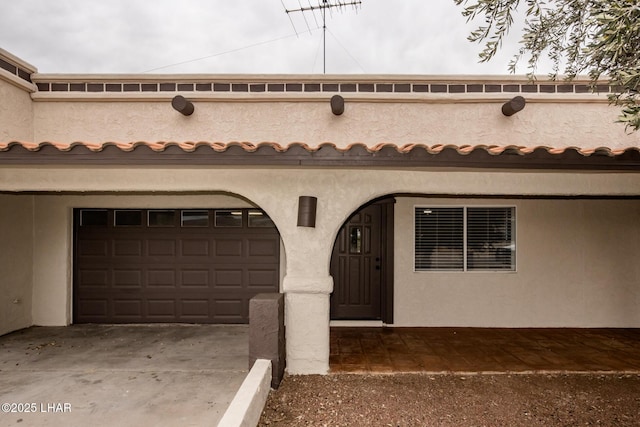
54, 244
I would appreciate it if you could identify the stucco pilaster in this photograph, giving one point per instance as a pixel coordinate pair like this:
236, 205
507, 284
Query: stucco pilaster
307, 326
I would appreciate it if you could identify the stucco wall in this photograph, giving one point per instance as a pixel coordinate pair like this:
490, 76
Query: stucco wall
576, 267
16, 243
16, 113
592, 286
430, 121
307, 283
339, 194
53, 250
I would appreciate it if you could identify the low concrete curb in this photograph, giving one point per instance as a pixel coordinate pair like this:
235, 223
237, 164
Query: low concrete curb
247, 405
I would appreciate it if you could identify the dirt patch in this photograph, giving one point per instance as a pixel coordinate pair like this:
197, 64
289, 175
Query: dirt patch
455, 400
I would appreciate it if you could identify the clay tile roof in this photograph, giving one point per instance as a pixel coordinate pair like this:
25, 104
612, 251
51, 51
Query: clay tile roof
189, 146
300, 153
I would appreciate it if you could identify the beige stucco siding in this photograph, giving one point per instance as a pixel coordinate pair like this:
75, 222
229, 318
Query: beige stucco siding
576, 267
276, 191
545, 121
578, 232
16, 262
16, 112
306, 281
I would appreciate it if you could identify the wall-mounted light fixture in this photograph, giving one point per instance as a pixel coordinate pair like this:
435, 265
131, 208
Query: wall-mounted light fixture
337, 105
182, 105
512, 106
307, 211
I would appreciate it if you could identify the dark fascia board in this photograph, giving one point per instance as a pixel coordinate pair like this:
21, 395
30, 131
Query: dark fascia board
327, 155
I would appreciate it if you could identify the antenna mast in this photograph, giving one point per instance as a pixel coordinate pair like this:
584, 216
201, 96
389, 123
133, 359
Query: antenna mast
322, 6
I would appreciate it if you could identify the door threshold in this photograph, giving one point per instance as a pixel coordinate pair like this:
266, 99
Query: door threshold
356, 323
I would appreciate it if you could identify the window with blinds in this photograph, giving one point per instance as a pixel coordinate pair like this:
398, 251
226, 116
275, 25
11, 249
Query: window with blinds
490, 243
464, 239
439, 239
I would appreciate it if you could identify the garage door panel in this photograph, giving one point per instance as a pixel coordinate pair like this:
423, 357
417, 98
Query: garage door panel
96, 308
227, 247
162, 247
161, 309
127, 248
261, 278
127, 278
140, 274
194, 278
93, 278
229, 278
127, 308
161, 278
228, 310
93, 248
195, 248
263, 248
195, 309
263, 251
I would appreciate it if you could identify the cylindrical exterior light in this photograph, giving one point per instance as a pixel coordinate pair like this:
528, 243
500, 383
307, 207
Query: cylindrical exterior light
337, 105
512, 106
307, 211
182, 105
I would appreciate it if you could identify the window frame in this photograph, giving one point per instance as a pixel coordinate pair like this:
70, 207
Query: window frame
194, 210
81, 219
233, 214
465, 227
176, 215
141, 224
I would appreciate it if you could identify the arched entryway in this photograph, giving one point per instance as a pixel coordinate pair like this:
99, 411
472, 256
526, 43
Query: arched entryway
362, 264
170, 263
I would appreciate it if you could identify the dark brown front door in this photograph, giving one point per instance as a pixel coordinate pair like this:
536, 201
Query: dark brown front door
357, 267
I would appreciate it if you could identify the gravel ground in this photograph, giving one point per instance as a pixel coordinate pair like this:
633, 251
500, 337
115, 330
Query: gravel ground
455, 400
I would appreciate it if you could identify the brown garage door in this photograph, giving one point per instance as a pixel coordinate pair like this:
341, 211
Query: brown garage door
172, 265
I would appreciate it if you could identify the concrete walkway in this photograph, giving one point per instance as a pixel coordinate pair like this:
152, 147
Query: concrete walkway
168, 375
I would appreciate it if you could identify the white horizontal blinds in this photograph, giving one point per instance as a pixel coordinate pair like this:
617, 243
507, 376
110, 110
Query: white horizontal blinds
439, 241
490, 238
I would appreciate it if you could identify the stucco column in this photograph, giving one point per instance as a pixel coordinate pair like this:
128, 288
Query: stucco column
307, 323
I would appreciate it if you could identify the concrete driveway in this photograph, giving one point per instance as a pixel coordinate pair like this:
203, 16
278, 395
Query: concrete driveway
105, 375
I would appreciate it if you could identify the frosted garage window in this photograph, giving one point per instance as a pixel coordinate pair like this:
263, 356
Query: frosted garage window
228, 218
93, 217
161, 218
195, 218
259, 219
128, 218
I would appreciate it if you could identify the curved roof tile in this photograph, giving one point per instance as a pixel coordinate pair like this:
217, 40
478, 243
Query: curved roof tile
191, 146
325, 154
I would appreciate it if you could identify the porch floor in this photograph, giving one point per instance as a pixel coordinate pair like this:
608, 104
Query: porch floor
379, 350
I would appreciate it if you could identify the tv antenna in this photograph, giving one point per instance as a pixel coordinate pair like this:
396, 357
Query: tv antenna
322, 6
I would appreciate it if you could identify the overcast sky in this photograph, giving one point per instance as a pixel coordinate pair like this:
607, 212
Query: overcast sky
243, 36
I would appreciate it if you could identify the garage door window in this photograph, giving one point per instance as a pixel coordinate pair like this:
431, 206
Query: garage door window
161, 218
94, 217
259, 219
195, 218
228, 218
128, 218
